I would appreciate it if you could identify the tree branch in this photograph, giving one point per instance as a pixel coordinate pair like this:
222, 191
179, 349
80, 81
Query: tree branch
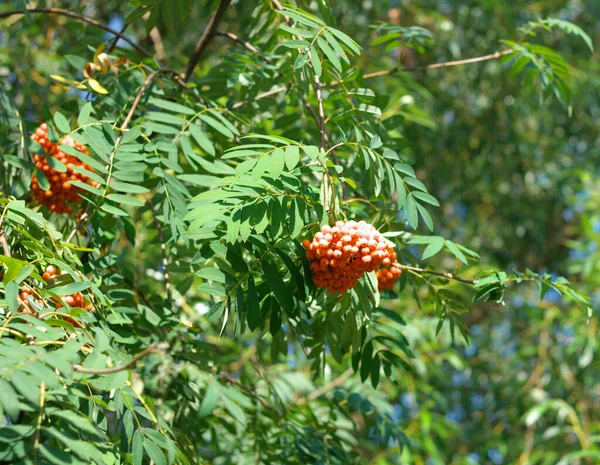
4, 242
206, 37
85, 19
159, 348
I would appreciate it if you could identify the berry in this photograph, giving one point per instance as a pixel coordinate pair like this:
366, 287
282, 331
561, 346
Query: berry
388, 274
341, 254
61, 191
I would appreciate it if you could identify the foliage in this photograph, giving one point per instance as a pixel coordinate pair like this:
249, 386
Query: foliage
208, 341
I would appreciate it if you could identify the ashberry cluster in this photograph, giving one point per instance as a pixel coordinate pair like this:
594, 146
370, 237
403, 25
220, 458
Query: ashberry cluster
341, 254
74, 300
388, 274
61, 190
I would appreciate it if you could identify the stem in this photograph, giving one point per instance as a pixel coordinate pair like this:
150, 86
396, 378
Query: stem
208, 34
159, 348
230, 379
38, 426
442, 274
163, 249
328, 387
114, 43
85, 19
492, 56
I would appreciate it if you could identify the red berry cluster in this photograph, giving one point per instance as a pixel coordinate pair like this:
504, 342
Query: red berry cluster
75, 300
341, 254
388, 274
61, 190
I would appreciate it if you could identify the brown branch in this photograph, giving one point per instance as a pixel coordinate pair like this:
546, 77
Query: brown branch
161, 348
4, 242
115, 41
163, 248
85, 19
81, 220
208, 34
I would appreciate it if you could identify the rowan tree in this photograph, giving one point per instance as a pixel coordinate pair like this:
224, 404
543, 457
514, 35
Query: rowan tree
220, 240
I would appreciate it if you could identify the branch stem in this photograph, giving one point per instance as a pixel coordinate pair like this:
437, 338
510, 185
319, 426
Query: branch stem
205, 39
159, 348
85, 19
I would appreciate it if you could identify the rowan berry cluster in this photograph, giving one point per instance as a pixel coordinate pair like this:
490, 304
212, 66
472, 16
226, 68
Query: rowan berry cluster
74, 300
341, 254
61, 191
388, 274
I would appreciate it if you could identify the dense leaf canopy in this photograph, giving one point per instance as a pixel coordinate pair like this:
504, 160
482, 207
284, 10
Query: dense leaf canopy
158, 304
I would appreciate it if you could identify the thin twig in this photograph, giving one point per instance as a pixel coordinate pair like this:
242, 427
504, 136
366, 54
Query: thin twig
492, 56
328, 387
321, 124
262, 95
122, 130
161, 348
245, 43
446, 64
38, 426
81, 220
163, 248
230, 379
442, 274
205, 39
115, 41
93, 22
4, 242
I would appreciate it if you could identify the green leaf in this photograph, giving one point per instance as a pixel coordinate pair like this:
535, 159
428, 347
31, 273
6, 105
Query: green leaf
432, 249
411, 212
84, 114
252, 306
277, 163
456, 252
292, 157
114, 210
71, 288
42, 180
12, 289
217, 125
137, 448
125, 200
129, 188
171, 106
330, 54
316, 62
155, 453
279, 288
62, 123
210, 400
202, 139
